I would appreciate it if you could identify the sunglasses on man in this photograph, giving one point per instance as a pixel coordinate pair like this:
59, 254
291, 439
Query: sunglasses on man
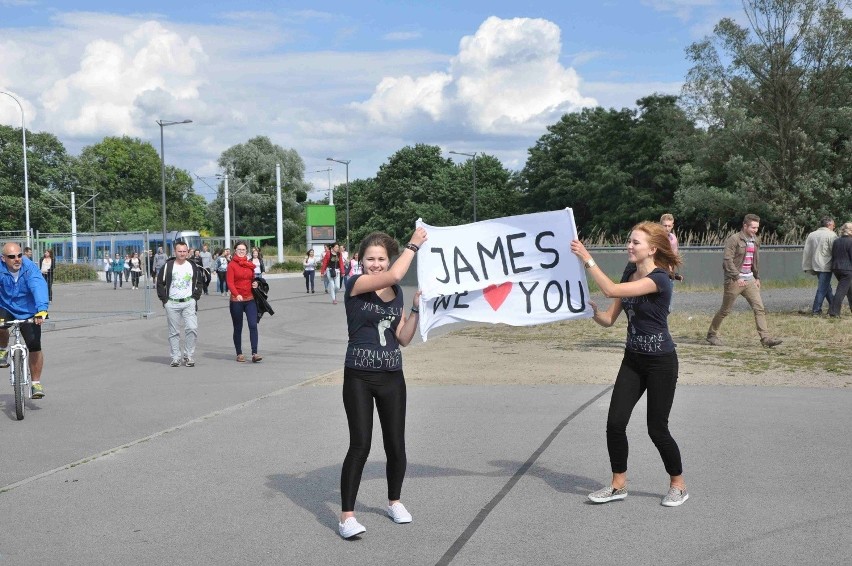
13, 256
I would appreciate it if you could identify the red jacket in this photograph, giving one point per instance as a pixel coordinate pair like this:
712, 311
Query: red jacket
240, 277
326, 258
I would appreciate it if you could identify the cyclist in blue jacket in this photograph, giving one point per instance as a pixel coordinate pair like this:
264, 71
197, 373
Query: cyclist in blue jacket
23, 294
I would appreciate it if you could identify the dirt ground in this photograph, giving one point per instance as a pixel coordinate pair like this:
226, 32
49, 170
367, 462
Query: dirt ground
463, 360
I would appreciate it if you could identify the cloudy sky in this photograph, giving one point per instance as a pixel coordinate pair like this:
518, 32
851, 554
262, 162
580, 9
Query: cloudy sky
350, 80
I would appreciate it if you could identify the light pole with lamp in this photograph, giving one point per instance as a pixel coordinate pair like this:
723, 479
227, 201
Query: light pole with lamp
345, 162
26, 174
473, 155
163, 124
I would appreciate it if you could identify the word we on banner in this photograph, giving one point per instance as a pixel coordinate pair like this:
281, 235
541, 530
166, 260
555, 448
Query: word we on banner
517, 270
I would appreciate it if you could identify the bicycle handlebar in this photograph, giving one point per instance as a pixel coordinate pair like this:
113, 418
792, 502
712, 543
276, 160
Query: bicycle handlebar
4, 322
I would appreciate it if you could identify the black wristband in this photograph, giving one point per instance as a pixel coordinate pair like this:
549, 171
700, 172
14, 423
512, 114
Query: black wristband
415, 310
413, 247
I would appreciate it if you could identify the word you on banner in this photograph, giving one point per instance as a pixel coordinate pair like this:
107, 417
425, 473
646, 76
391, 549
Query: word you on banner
517, 270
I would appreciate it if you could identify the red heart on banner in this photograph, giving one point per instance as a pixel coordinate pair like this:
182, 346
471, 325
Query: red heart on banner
496, 294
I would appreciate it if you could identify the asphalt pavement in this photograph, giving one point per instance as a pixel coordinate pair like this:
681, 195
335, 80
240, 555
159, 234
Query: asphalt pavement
129, 461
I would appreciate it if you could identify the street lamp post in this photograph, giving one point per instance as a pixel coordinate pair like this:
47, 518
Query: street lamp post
473, 155
26, 174
163, 124
345, 162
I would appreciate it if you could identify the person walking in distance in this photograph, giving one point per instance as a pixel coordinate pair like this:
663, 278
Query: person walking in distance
241, 281
372, 373
325, 248
668, 222
650, 361
126, 268
222, 271
117, 272
841, 262
332, 269
309, 265
207, 264
135, 269
742, 277
46, 266
816, 260
180, 284
159, 261
23, 295
107, 267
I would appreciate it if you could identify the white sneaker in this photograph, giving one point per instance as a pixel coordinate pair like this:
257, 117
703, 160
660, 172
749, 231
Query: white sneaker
350, 528
399, 513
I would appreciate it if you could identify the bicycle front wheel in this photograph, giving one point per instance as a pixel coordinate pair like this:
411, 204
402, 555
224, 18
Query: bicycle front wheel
20, 384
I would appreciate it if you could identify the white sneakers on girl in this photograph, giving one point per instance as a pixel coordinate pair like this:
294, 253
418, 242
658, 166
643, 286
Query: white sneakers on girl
350, 528
399, 513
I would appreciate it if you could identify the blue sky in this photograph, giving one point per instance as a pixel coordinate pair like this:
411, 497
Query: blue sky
351, 80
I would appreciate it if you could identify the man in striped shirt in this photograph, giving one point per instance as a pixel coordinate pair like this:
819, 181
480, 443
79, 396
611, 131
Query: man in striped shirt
741, 263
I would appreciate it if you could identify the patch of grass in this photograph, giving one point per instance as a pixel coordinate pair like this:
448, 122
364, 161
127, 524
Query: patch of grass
810, 343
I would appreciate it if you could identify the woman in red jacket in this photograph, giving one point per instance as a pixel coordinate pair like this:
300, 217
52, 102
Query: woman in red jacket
332, 269
240, 283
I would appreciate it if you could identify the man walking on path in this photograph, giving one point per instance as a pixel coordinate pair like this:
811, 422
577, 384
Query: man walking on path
179, 285
740, 264
159, 261
816, 260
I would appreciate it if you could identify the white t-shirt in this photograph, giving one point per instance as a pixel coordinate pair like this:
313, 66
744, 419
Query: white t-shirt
181, 287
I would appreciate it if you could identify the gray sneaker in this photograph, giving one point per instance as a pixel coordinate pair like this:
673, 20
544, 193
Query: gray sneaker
189, 362
175, 363
675, 497
714, 341
608, 494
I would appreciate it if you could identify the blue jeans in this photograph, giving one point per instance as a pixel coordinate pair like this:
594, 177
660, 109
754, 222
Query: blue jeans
250, 309
823, 292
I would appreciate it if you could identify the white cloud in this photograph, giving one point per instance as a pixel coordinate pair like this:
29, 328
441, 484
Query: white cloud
505, 80
116, 76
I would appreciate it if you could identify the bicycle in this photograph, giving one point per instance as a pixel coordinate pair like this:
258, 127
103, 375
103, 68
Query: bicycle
19, 367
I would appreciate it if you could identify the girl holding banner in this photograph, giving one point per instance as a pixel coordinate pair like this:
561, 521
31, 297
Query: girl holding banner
650, 360
378, 326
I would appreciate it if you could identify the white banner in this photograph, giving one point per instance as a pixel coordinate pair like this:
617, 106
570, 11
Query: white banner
517, 270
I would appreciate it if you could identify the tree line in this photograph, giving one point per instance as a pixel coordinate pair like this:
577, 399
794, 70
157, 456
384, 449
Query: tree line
763, 125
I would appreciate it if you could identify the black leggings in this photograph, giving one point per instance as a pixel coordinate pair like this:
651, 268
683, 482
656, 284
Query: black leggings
359, 390
657, 375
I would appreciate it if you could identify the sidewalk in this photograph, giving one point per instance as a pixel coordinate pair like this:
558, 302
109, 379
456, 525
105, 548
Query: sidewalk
230, 463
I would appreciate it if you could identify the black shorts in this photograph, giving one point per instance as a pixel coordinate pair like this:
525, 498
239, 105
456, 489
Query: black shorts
31, 332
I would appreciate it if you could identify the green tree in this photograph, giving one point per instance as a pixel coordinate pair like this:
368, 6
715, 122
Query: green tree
774, 99
252, 184
49, 180
125, 175
418, 182
612, 167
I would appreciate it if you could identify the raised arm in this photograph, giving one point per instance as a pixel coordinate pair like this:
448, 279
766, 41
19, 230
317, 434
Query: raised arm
381, 280
643, 286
